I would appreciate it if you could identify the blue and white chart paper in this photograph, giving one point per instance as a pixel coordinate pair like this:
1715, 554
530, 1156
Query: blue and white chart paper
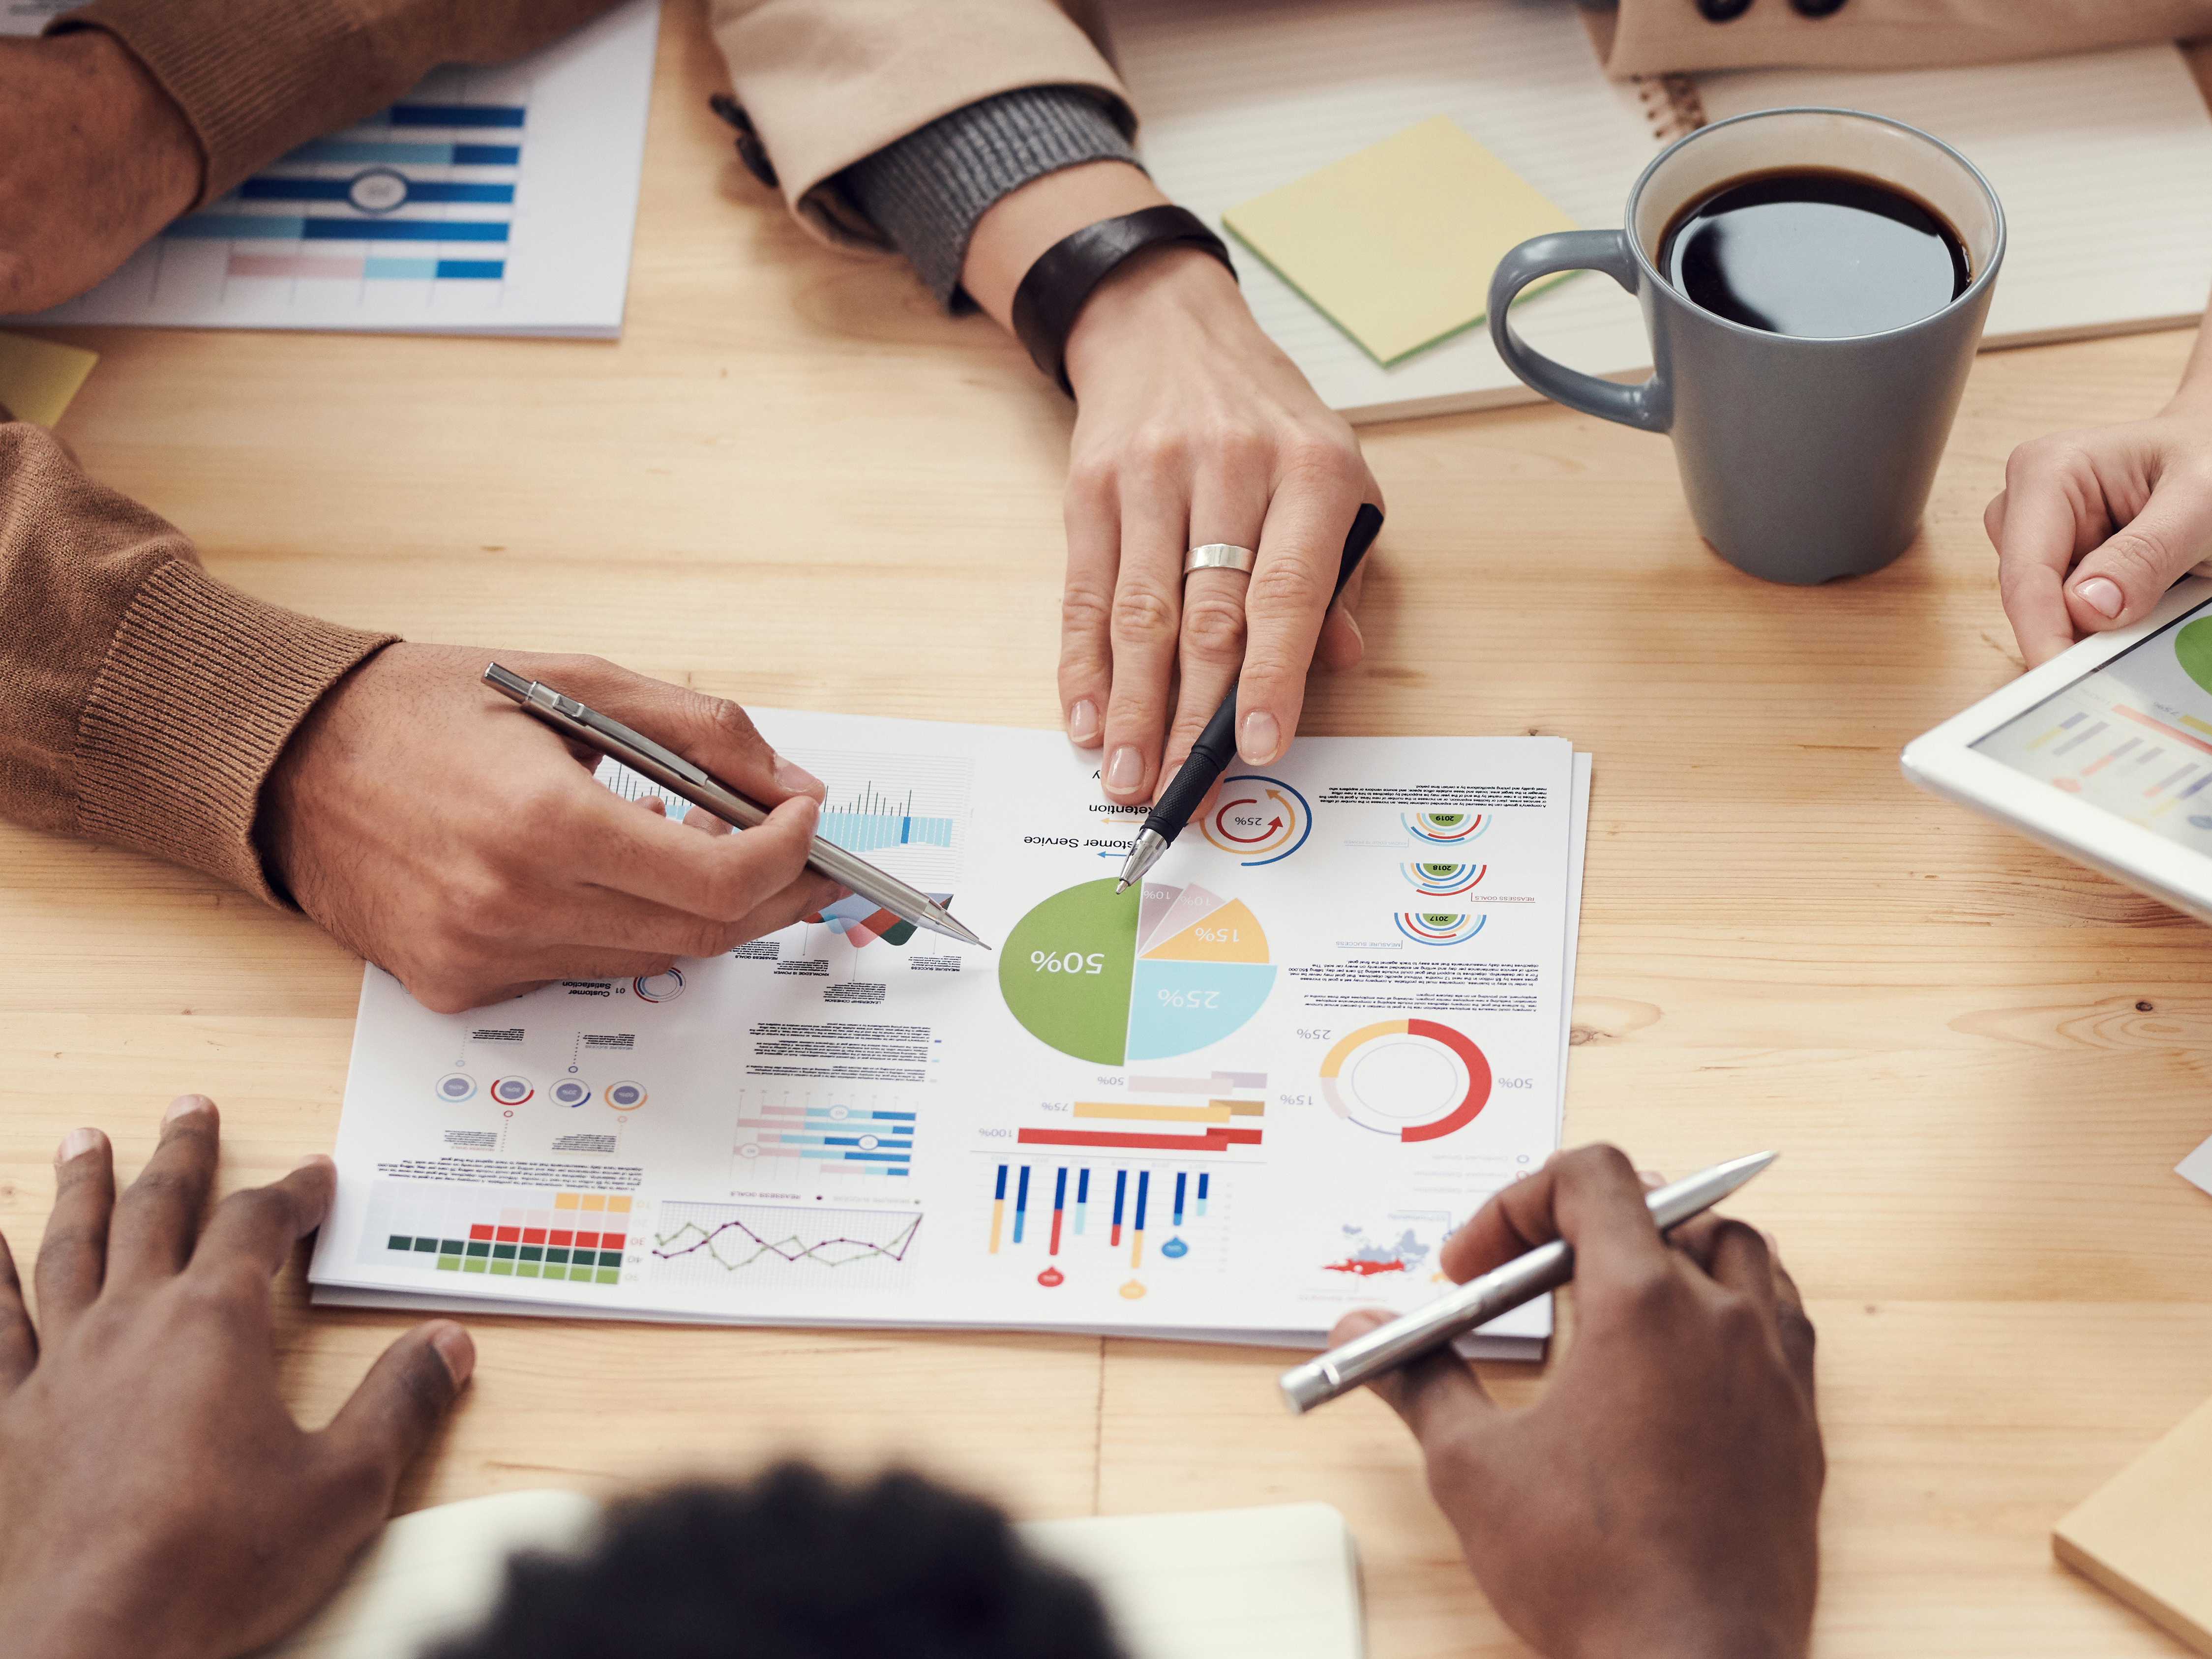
495, 200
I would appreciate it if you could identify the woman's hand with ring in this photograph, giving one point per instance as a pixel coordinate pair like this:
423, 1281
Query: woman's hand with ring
1193, 428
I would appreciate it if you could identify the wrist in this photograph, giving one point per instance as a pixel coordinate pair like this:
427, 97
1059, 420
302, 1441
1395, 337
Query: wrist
130, 111
1140, 302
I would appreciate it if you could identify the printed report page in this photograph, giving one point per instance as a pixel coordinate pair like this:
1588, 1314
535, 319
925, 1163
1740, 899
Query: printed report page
1258, 1089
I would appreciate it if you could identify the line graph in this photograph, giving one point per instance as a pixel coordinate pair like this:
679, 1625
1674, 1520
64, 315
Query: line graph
748, 1247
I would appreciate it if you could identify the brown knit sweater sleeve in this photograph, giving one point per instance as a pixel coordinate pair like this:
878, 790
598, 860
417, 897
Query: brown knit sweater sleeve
259, 77
141, 702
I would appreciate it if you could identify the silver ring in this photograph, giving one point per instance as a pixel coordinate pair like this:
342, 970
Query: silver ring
1219, 556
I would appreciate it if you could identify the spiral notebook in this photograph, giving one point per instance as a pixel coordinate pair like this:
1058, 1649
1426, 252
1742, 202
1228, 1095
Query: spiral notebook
2099, 159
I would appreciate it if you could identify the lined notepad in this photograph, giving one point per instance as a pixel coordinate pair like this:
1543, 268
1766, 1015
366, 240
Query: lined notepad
2100, 161
1279, 1583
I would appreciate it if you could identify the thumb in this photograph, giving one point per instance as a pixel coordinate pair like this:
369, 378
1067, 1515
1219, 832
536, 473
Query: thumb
2120, 581
710, 731
1437, 1396
401, 1401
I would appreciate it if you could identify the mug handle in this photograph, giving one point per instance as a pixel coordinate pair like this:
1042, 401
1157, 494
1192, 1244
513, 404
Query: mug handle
1648, 406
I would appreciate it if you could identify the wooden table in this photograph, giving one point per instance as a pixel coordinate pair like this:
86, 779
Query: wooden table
1981, 1061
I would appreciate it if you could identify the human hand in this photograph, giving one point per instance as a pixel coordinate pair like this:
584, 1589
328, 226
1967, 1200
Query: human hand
1191, 427
95, 160
1662, 1497
156, 1498
2128, 509
430, 825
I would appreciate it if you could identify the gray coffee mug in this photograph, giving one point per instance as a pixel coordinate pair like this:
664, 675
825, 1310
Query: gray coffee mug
1804, 460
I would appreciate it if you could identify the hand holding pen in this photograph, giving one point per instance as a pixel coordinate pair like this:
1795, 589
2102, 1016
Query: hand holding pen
1216, 747
434, 830
1661, 1497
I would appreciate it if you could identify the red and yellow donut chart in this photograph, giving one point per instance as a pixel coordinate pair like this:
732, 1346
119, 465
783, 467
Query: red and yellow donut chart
1339, 1083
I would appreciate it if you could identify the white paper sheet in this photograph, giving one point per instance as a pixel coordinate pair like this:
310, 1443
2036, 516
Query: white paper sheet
2196, 1168
1294, 1100
487, 201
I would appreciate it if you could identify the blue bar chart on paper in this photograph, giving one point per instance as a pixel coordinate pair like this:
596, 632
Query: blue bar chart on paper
868, 1135
486, 200
1146, 1225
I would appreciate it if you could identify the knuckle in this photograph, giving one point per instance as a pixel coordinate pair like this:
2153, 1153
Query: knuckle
1796, 1327
1085, 612
1286, 584
1143, 612
1240, 449
481, 906
1214, 628
2135, 555
1159, 452
1651, 1293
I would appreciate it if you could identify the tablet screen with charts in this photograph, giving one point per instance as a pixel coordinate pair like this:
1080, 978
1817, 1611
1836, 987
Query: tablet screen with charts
2103, 753
2133, 737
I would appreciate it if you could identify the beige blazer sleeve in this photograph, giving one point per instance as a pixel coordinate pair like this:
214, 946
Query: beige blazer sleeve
1657, 37
828, 81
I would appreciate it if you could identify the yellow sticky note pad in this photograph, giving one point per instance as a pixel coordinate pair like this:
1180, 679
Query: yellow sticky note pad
1396, 243
39, 378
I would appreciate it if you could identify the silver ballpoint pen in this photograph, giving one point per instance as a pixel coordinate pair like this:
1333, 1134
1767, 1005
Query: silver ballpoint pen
1482, 1299
672, 772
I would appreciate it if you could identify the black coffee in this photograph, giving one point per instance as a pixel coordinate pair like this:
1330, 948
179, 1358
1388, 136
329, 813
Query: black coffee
1815, 253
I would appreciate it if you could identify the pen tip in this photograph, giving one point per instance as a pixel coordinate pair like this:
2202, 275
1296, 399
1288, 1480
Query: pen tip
1122, 886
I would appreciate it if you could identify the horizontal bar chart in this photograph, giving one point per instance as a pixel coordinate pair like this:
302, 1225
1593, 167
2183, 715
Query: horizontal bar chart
298, 265
342, 189
456, 115
378, 152
293, 228
1215, 1111
1214, 1140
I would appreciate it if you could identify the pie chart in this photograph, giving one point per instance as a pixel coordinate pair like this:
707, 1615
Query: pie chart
1145, 975
1412, 1079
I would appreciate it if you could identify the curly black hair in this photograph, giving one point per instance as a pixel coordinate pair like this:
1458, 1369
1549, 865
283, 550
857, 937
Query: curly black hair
796, 1565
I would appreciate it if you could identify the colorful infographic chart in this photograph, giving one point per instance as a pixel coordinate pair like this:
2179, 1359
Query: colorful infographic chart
733, 1246
2132, 738
1065, 1217
1144, 975
505, 1231
1413, 1079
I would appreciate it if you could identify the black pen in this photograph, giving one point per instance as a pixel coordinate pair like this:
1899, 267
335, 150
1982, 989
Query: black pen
1216, 748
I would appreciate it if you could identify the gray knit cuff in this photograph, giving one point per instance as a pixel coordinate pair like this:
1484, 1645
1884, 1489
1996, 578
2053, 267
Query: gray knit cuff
927, 191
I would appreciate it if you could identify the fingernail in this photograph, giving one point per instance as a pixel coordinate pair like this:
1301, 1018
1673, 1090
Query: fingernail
184, 1105
794, 778
1651, 1177
2102, 595
1773, 1244
76, 1144
459, 1354
1083, 723
1262, 737
312, 1157
1126, 770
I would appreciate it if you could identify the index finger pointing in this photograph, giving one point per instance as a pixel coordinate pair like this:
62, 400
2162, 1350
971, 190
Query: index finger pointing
1300, 551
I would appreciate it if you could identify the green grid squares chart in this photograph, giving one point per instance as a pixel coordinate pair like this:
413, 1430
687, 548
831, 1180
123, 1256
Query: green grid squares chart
504, 1233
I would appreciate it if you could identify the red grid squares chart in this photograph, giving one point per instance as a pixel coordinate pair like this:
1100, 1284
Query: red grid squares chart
574, 1236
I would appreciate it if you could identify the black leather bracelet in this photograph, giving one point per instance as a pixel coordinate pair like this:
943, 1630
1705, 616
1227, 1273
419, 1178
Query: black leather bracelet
1052, 294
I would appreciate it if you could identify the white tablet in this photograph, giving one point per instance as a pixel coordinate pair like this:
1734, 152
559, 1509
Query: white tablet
2102, 754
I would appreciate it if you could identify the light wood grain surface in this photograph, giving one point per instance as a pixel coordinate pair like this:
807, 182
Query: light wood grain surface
1981, 1062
